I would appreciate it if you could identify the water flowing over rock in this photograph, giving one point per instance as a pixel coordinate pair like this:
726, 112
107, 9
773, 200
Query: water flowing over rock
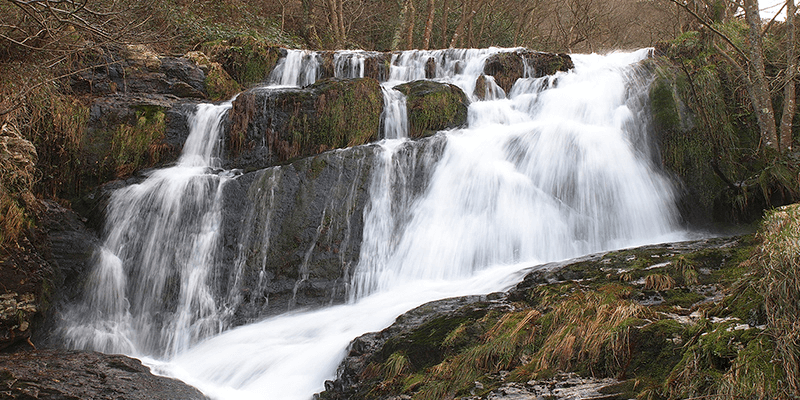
225, 237
506, 68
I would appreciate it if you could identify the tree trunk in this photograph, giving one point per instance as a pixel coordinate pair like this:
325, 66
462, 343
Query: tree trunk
761, 97
465, 7
426, 38
445, 11
342, 31
468, 13
309, 29
333, 15
410, 25
401, 26
791, 72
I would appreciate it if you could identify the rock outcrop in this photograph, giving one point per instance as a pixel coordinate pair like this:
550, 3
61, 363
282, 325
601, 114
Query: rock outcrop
433, 106
296, 230
271, 126
59, 374
507, 67
632, 315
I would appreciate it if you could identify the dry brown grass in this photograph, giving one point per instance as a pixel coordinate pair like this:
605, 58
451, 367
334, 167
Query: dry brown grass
659, 282
778, 261
17, 176
588, 329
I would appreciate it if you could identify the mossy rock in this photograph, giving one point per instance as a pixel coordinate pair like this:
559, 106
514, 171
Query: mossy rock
124, 135
247, 60
433, 106
218, 83
507, 67
273, 126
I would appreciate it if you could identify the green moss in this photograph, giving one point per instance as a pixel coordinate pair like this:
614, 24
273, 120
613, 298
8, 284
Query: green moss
219, 85
347, 113
663, 106
137, 146
248, 61
682, 298
424, 346
433, 106
318, 164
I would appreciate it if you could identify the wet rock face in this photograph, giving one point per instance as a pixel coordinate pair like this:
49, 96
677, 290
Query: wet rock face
58, 374
269, 126
508, 67
42, 270
296, 230
433, 106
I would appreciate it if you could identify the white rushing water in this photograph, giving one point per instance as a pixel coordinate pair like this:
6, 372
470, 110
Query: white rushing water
161, 240
557, 168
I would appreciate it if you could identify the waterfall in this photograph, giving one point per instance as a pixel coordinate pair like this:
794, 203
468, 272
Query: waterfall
299, 68
349, 64
150, 288
558, 167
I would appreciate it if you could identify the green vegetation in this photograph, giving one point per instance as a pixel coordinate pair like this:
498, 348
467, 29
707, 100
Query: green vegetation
329, 114
246, 59
433, 107
139, 145
710, 134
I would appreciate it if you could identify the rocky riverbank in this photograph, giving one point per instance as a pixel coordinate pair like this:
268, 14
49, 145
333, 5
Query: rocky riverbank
677, 320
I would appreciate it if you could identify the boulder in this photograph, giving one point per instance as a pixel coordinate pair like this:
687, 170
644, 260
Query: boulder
433, 106
127, 133
562, 329
218, 83
61, 374
269, 126
507, 67
135, 69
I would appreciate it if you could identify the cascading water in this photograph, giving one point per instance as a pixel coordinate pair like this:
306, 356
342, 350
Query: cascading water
557, 168
150, 289
298, 68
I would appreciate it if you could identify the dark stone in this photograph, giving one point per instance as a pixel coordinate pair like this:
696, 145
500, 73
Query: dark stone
434, 106
376, 65
269, 126
430, 68
509, 66
298, 228
127, 133
27, 282
138, 71
60, 374
378, 346
418, 334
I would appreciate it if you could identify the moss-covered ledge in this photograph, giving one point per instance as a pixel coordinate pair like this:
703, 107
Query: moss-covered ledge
271, 126
433, 106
